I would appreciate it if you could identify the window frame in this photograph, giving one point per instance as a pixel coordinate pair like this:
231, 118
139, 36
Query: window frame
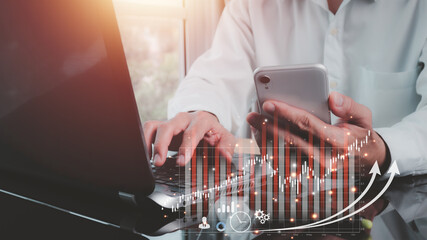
197, 16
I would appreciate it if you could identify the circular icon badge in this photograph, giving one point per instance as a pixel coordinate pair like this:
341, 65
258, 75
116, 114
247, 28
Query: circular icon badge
220, 226
240, 222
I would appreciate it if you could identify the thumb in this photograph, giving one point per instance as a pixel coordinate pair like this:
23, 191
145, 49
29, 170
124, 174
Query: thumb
350, 111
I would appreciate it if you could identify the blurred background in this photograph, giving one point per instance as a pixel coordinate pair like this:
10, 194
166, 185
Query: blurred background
161, 39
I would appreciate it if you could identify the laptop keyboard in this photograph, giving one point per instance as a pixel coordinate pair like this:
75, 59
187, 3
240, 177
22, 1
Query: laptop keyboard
170, 174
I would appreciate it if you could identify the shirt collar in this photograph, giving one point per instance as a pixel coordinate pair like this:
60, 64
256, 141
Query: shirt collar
324, 3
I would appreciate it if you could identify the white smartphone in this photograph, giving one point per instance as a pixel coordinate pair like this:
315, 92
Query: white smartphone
302, 86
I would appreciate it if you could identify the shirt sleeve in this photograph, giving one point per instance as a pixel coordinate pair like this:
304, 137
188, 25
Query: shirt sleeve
407, 140
220, 80
408, 198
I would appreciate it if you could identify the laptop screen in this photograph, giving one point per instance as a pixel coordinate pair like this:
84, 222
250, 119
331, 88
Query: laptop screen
67, 109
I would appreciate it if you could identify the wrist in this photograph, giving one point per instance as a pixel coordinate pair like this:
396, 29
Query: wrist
385, 160
209, 114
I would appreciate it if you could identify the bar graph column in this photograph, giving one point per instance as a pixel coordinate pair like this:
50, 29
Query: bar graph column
200, 183
211, 185
293, 184
328, 181
188, 190
316, 182
269, 175
281, 176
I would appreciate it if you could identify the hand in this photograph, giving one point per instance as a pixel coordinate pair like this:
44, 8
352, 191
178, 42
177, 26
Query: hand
183, 133
355, 123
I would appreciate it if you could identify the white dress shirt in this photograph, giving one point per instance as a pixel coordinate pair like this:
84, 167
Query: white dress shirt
374, 52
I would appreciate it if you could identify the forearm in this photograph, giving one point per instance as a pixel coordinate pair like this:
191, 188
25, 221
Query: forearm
220, 81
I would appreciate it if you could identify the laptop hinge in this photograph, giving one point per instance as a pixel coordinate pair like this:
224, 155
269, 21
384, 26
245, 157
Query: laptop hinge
128, 198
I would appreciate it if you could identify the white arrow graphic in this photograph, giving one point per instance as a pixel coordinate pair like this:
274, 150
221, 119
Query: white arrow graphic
374, 171
393, 171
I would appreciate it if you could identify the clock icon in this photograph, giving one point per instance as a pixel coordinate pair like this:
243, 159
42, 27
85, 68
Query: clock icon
240, 222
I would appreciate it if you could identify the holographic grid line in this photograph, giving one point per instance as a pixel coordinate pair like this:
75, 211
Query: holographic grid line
285, 184
229, 181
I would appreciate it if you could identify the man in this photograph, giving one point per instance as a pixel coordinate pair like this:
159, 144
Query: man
374, 51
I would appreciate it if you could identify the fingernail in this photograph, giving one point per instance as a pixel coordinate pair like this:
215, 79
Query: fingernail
180, 160
156, 158
250, 119
268, 107
338, 100
366, 223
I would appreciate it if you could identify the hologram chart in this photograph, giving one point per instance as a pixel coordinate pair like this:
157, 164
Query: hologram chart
278, 187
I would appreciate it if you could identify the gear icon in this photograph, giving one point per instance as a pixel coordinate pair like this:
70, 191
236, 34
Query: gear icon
259, 214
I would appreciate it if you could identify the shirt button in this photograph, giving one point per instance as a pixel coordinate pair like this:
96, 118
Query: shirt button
334, 31
333, 84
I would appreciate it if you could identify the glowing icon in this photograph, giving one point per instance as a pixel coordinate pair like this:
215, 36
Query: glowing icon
204, 224
261, 216
220, 226
240, 222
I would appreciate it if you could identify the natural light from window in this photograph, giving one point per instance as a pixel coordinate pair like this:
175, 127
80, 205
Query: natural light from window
157, 2
152, 46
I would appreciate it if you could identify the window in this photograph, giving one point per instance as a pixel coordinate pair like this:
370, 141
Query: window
151, 41
161, 38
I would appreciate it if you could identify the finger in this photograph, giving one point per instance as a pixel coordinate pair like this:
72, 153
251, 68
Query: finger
226, 145
348, 110
191, 138
290, 138
149, 131
308, 123
258, 121
302, 119
222, 139
165, 132
256, 135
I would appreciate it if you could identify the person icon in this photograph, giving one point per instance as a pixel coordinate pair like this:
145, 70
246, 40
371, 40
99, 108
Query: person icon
204, 224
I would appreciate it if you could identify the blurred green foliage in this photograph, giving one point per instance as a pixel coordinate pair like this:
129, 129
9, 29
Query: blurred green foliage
152, 51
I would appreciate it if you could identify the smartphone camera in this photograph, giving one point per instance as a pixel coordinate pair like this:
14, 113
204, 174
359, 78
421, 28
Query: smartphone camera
264, 79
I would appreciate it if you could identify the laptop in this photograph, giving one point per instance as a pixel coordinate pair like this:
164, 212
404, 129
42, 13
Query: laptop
67, 108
